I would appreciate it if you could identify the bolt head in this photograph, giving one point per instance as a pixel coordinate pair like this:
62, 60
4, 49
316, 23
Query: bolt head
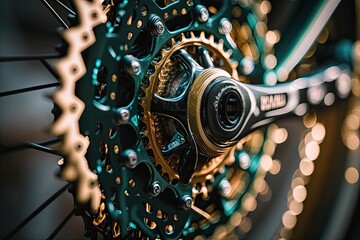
159, 28
244, 161
157, 25
131, 158
131, 65
155, 189
203, 13
186, 202
123, 116
225, 188
225, 26
135, 66
247, 65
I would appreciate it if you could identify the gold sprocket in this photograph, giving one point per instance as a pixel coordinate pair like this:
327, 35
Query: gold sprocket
164, 72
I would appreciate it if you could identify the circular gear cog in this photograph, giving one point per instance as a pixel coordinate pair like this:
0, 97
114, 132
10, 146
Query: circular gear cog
118, 146
166, 82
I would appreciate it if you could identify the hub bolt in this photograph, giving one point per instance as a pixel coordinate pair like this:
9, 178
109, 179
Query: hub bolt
186, 202
202, 13
244, 161
246, 65
122, 116
131, 158
157, 25
225, 188
131, 65
225, 26
155, 189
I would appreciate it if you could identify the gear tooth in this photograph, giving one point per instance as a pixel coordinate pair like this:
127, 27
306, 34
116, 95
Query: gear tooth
182, 37
163, 52
60, 125
202, 35
221, 45
234, 66
211, 38
229, 53
204, 191
173, 42
192, 35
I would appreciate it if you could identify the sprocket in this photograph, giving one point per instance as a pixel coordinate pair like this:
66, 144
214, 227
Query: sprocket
115, 141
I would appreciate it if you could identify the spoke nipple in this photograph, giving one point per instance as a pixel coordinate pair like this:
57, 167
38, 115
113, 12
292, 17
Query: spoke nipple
131, 158
186, 202
225, 188
247, 65
225, 26
157, 25
244, 160
122, 116
202, 13
131, 65
155, 189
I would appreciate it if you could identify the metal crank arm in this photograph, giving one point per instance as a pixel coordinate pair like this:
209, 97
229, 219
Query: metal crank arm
227, 109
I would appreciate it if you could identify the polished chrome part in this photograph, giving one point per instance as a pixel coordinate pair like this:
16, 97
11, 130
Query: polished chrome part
244, 160
186, 202
247, 65
122, 116
225, 188
131, 64
131, 158
225, 26
155, 189
157, 25
202, 12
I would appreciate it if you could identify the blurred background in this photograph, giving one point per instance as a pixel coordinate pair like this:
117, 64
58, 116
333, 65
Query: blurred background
28, 176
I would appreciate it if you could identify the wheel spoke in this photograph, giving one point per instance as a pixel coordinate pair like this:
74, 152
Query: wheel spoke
49, 68
37, 211
29, 58
61, 225
24, 145
29, 89
57, 16
66, 7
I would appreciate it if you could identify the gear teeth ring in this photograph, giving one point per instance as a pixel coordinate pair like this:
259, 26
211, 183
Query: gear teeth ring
71, 68
158, 82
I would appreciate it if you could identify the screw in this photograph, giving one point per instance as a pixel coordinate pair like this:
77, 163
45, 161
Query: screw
123, 115
131, 158
225, 188
202, 13
225, 26
131, 65
155, 189
157, 26
186, 202
246, 65
244, 160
